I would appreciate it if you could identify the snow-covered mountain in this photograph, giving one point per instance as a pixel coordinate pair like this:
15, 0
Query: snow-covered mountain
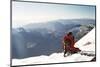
35, 39
86, 43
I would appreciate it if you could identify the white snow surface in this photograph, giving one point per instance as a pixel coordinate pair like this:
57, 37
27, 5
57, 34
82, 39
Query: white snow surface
87, 43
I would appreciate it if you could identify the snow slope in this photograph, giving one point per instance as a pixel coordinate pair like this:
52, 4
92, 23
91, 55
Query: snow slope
87, 43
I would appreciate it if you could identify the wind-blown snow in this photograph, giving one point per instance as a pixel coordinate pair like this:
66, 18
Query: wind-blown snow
87, 43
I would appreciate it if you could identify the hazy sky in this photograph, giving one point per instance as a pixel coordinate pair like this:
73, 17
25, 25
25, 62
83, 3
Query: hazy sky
27, 12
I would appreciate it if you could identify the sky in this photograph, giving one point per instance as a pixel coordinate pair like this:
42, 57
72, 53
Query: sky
26, 12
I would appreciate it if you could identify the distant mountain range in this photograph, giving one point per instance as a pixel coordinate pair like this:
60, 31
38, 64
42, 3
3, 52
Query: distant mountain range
37, 39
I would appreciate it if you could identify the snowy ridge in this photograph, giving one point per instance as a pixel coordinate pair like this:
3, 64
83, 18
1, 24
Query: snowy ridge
87, 43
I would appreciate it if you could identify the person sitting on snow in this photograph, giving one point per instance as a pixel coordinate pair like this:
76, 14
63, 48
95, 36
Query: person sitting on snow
68, 44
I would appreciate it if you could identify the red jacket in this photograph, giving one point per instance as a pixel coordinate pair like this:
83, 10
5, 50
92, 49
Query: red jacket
71, 47
69, 38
